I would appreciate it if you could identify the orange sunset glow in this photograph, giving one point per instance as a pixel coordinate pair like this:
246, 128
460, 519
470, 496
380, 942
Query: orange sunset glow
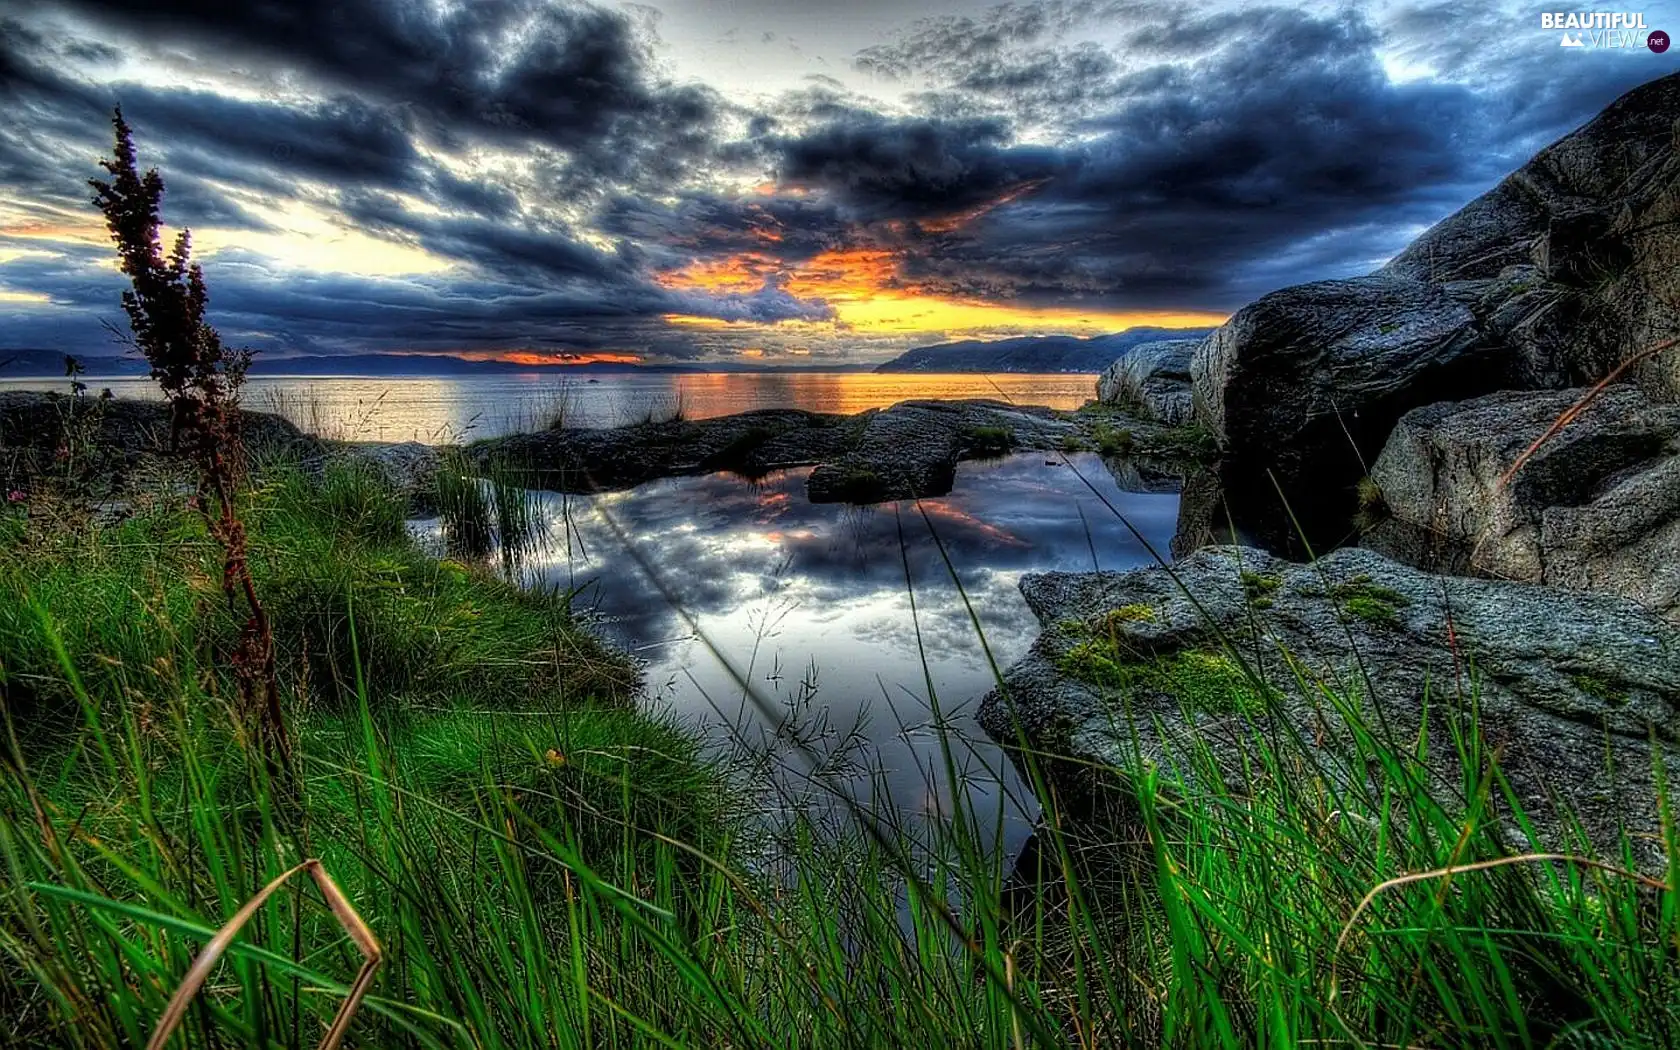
539, 359
868, 296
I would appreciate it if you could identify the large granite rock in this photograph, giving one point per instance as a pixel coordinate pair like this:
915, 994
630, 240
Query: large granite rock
1302, 387
1552, 279
1596, 507
1154, 380
1571, 690
1586, 231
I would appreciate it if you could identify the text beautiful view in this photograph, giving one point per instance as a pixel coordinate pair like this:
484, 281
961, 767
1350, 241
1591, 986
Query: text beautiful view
753, 523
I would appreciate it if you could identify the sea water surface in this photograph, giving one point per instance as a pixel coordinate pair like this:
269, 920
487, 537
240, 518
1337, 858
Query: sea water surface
454, 409
840, 637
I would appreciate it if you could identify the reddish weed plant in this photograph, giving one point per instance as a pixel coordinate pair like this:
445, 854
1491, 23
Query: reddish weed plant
201, 378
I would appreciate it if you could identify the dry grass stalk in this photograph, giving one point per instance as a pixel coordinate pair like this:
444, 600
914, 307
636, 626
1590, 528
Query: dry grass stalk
1481, 865
207, 959
1569, 415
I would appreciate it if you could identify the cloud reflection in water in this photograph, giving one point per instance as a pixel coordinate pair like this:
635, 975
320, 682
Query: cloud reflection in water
790, 592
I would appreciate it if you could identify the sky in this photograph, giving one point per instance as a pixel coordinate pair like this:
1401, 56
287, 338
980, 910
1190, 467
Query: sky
773, 181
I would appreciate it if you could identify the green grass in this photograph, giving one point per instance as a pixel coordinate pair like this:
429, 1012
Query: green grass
547, 869
989, 441
1258, 587
139, 602
1595, 686
861, 485
1372, 505
1111, 440
486, 509
1192, 442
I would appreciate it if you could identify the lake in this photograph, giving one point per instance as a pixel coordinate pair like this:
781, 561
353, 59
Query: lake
716, 582
443, 410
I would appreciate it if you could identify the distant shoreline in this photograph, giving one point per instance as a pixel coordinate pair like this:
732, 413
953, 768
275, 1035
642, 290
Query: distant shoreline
557, 370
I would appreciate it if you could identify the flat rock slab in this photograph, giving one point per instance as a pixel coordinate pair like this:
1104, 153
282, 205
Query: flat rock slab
1570, 689
601, 459
906, 451
912, 449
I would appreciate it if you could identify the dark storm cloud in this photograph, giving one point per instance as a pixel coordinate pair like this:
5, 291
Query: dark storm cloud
907, 168
1210, 151
1194, 160
574, 76
704, 225
951, 48
1537, 92
508, 248
571, 82
57, 124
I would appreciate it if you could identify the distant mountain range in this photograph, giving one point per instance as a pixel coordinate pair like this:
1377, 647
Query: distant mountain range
37, 363
1033, 353
1050, 353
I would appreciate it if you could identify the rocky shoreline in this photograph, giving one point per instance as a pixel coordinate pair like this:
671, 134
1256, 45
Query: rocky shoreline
908, 450
1374, 423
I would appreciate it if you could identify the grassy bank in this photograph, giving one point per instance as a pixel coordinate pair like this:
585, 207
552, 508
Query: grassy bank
546, 867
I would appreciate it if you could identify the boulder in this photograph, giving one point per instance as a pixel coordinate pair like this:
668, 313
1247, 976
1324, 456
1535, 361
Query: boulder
1586, 227
1577, 692
1154, 380
1549, 335
1596, 507
1302, 387
1551, 280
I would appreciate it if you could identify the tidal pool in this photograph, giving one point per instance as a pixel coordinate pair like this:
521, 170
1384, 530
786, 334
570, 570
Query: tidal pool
826, 636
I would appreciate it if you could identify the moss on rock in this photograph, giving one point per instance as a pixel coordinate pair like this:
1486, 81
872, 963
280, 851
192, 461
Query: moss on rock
1202, 680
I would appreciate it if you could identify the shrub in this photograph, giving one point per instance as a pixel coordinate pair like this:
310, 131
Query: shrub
1372, 507
1112, 441
201, 378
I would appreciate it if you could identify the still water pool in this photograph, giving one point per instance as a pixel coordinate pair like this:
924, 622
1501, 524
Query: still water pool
831, 635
